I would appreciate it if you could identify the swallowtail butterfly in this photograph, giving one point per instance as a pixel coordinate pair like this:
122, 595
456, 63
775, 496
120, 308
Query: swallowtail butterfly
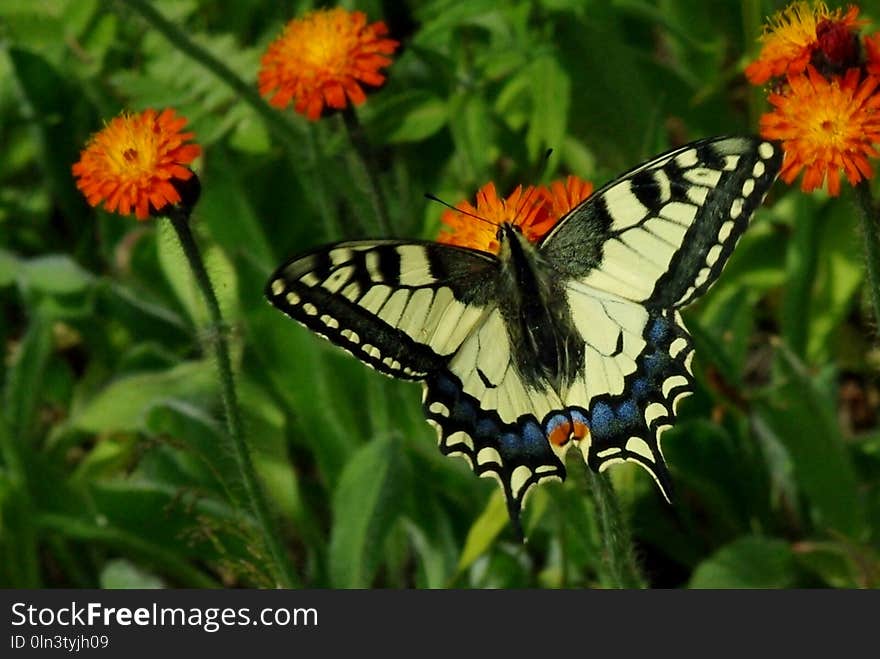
575, 341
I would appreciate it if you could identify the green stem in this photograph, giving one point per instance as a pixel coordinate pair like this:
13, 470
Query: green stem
871, 232
616, 540
368, 165
283, 572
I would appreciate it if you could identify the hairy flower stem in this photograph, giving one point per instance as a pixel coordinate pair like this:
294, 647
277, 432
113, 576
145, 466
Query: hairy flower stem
617, 546
871, 232
282, 570
369, 168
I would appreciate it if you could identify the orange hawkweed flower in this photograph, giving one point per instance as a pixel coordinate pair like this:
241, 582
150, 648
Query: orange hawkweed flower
794, 34
534, 210
525, 208
872, 53
826, 126
134, 162
562, 196
322, 59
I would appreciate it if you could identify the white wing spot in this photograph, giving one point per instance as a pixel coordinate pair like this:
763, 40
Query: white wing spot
677, 346
697, 194
329, 321
672, 382
730, 163
713, 255
310, 279
679, 212
310, 309
341, 255
748, 187
293, 299
703, 176
351, 335
702, 276
638, 446
487, 455
374, 298
653, 411
371, 260
278, 287
338, 279
460, 437
623, 206
758, 169
736, 208
724, 232
518, 478
438, 408
687, 158
765, 150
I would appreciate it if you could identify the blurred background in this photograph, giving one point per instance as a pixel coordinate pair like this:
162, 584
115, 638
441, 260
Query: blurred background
112, 471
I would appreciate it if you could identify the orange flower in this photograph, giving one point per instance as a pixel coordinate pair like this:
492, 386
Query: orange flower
561, 196
321, 58
534, 210
133, 163
826, 126
524, 208
872, 53
797, 32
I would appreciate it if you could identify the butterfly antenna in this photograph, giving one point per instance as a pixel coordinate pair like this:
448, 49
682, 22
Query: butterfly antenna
432, 197
525, 203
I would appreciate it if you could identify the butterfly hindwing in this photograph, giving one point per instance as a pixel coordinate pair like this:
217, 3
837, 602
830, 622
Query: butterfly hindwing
628, 391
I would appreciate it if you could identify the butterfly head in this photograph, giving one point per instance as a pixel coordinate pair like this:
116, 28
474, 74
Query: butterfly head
513, 246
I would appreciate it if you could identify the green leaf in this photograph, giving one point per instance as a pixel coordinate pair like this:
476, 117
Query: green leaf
367, 502
485, 529
410, 116
9, 265
24, 378
801, 265
750, 562
551, 100
51, 99
801, 413
121, 574
122, 404
473, 134
56, 274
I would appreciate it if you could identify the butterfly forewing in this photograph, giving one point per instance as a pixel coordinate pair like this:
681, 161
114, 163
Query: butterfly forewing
401, 308
661, 234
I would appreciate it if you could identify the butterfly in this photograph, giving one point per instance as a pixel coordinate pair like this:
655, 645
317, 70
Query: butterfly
573, 341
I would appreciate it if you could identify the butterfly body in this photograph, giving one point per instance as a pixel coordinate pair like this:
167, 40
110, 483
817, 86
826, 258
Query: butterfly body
575, 341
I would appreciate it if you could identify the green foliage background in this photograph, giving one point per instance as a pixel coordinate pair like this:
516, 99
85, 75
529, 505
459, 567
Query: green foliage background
112, 471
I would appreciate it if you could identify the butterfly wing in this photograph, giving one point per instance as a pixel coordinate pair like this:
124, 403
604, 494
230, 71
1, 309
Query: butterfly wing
400, 307
661, 233
634, 253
